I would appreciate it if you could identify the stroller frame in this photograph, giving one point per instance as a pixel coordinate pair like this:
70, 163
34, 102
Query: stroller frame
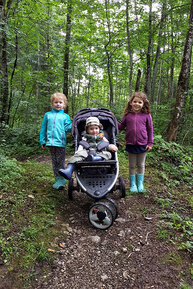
97, 179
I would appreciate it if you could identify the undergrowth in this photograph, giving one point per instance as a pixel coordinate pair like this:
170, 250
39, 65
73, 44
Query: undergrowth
174, 162
29, 210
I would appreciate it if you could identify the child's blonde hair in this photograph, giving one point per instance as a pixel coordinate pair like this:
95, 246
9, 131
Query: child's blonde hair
142, 96
59, 95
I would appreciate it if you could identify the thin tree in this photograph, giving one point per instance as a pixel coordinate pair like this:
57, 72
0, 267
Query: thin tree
11, 80
129, 48
67, 48
109, 55
5, 7
157, 56
137, 85
183, 80
173, 48
147, 86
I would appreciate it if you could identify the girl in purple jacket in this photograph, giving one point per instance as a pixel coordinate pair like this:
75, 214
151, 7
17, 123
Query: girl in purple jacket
139, 137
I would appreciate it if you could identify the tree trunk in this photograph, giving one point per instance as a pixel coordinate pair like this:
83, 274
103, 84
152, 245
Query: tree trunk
49, 86
5, 82
11, 80
16, 108
155, 68
129, 48
171, 90
108, 54
137, 85
160, 84
173, 126
4, 14
147, 86
67, 48
109, 77
89, 79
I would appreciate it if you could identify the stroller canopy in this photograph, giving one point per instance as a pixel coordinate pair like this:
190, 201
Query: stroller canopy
103, 114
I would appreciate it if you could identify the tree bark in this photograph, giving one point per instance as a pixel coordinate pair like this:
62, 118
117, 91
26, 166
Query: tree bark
160, 84
147, 86
5, 7
137, 85
67, 48
173, 126
11, 80
171, 89
129, 48
156, 62
108, 54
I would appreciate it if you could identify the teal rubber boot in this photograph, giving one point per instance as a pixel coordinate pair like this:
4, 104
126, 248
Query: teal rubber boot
67, 173
133, 186
140, 186
55, 184
59, 183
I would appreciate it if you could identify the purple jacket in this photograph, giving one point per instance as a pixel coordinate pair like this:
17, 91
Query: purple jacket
139, 128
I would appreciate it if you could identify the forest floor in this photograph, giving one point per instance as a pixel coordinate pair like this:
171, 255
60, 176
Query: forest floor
137, 251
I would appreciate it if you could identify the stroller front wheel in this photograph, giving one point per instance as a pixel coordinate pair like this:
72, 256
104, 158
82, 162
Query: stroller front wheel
101, 215
114, 207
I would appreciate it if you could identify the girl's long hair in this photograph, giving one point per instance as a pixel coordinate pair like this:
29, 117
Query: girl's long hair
142, 96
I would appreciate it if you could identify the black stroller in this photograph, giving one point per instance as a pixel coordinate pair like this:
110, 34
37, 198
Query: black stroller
99, 178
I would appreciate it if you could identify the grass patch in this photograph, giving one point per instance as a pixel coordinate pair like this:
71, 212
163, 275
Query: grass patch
28, 223
173, 259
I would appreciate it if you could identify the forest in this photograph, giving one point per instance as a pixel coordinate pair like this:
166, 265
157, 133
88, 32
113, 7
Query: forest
98, 53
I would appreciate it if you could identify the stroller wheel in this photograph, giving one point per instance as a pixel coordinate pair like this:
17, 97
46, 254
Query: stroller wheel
70, 189
101, 215
122, 187
113, 207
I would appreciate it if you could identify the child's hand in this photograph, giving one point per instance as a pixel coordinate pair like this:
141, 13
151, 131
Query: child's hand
113, 148
148, 148
43, 146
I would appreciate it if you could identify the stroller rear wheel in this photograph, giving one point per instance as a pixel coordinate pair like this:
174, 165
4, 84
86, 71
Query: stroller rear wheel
102, 214
122, 187
70, 189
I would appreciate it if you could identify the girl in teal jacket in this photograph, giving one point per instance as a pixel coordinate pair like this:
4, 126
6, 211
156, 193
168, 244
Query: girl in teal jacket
54, 126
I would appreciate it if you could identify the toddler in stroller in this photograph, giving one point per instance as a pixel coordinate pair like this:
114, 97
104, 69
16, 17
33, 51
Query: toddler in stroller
95, 163
93, 147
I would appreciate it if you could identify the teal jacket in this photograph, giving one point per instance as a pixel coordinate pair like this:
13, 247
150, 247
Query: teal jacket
55, 124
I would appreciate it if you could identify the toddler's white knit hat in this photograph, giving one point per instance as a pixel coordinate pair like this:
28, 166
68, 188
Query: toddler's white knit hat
92, 120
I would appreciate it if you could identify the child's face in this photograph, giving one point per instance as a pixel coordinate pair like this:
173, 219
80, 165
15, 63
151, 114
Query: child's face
93, 129
137, 104
58, 103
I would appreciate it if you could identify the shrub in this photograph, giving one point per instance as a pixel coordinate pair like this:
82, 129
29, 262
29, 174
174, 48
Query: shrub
175, 160
9, 171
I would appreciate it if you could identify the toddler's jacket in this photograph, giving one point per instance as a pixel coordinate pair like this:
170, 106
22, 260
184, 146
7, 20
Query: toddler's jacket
55, 124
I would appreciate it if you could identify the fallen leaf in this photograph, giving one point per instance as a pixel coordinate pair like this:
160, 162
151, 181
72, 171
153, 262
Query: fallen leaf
51, 250
148, 218
61, 245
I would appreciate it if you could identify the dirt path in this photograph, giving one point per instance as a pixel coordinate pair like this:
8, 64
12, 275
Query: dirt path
127, 255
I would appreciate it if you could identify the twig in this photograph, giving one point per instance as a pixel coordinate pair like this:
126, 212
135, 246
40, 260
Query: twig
147, 243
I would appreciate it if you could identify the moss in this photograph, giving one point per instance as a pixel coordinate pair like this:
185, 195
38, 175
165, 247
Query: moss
172, 259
